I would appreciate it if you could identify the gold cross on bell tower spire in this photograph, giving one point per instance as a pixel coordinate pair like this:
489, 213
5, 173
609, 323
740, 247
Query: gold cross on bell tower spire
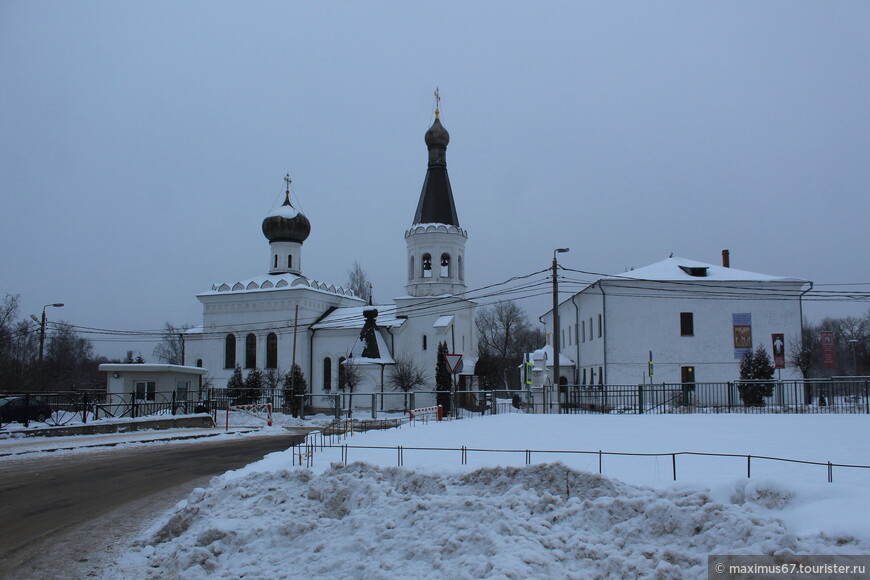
288, 181
437, 103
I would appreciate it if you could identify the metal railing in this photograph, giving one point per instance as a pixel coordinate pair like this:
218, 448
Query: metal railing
304, 453
93, 405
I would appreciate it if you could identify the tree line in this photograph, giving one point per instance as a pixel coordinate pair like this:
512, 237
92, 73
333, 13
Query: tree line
851, 347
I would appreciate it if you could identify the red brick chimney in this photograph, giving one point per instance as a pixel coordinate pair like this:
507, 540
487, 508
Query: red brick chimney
726, 259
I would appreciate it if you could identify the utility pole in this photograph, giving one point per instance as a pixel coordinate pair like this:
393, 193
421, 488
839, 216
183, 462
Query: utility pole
42, 337
556, 331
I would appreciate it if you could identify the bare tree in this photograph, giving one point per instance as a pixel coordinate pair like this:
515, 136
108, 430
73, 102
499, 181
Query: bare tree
349, 374
406, 374
358, 281
504, 336
171, 347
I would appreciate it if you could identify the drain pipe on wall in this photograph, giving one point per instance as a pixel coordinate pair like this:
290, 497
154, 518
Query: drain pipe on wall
604, 329
577, 339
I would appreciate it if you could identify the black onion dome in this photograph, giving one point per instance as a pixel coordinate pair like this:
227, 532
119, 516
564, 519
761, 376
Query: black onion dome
286, 224
437, 135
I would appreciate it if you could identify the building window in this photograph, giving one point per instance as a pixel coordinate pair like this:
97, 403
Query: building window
425, 342
411, 268
250, 351
445, 265
290, 261
230, 352
583, 334
461, 272
181, 390
146, 390
687, 324
276, 261
600, 326
600, 375
199, 362
427, 265
327, 374
341, 373
584, 376
590, 328
272, 351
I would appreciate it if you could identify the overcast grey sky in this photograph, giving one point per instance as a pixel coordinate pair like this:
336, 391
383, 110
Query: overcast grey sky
142, 143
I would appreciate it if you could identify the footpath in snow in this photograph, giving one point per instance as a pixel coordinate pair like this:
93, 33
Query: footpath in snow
495, 517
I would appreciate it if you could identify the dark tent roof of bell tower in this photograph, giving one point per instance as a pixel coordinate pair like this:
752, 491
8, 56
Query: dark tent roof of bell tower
436, 199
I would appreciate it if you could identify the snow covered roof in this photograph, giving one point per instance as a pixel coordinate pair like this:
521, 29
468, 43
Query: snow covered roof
385, 357
682, 269
150, 368
352, 317
547, 351
272, 282
443, 321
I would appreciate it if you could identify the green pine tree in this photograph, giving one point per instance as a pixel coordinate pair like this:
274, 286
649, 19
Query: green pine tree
253, 387
294, 386
236, 386
756, 368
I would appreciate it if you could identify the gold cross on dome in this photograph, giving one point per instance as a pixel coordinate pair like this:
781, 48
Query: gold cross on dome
287, 180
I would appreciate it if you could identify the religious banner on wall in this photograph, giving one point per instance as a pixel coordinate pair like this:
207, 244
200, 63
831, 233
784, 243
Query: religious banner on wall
742, 334
778, 351
829, 357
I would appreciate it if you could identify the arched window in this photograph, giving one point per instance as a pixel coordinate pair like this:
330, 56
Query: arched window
584, 376
411, 268
327, 374
425, 342
272, 351
427, 265
230, 352
600, 376
461, 271
250, 351
341, 375
290, 261
276, 261
445, 265
199, 362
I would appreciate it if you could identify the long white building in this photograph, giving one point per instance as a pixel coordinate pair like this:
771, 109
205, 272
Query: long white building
693, 320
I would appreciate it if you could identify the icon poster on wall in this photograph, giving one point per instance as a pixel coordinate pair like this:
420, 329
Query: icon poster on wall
778, 350
742, 334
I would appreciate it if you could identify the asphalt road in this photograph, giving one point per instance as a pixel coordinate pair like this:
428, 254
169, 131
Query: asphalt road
60, 515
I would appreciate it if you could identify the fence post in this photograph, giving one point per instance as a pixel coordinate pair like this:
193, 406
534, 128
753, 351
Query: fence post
133, 404
866, 402
640, 399
27, 409
412, 399
302, 406
85, 408
730, 395
336, 398
748, 466
374, 406
173, 403
674, 465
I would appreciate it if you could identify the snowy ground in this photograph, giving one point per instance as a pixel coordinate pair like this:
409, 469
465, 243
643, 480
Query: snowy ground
498, 518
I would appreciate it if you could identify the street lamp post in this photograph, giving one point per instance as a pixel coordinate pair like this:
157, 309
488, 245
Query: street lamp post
556, 331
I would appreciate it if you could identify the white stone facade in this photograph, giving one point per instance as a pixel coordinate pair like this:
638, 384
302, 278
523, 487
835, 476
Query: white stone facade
686, 321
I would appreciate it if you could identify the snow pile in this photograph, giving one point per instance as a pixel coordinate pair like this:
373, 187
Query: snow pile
540, 521
497, 518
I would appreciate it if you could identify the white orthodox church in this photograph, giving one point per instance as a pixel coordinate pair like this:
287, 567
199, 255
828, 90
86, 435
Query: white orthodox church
282, 317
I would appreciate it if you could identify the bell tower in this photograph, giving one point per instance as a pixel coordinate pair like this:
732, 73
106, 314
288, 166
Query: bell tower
436, 243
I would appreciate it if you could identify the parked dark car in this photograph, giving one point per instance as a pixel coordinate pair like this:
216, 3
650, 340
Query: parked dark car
13, 409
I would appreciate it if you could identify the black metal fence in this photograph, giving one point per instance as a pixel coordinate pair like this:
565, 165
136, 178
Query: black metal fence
806, 396
68, 407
